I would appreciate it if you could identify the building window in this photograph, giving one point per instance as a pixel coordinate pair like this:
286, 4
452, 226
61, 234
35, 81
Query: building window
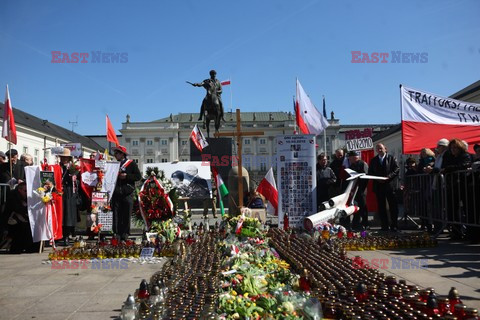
164, 142
134, 142
136, 160
184, 159
184, 142
263, 141
247, 141
149, 142
25, 150
149, 160
263, 166
164, 160
35, 156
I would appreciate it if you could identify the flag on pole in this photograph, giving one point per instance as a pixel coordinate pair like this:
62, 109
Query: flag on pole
221, 189
9, 131
268, 188
309, 119
111, 135
324, 108
225, 82
198, 138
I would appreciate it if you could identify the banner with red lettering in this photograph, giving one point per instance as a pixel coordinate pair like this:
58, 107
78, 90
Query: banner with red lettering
427, 118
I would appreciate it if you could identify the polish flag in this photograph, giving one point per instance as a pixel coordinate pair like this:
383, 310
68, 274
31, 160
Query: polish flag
427, 118
268, 189
9, 131
111, 135
309, 119
198, 138
225, 82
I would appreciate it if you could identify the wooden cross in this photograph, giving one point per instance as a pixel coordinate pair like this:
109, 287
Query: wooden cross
239, 134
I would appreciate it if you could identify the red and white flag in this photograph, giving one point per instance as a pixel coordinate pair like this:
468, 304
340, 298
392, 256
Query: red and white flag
427, 118
268, 189
198, 138
9, 131
309, 119
111, 135
225, 82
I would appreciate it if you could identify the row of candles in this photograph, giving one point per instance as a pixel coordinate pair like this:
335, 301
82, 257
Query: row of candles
360, 293
186, 287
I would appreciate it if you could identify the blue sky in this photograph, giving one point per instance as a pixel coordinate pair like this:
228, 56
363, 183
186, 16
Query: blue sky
262, 46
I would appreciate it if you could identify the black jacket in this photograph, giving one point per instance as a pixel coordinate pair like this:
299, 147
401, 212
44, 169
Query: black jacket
388, 169
125, 187
18, 170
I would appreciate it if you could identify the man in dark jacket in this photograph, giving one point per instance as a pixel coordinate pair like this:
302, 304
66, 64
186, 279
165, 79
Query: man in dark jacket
385, 165
360, 166
122, 199
18, 170
338, 168
325, 179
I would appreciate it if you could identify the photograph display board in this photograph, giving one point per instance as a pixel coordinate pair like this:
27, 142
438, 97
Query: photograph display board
192, 178
296, 178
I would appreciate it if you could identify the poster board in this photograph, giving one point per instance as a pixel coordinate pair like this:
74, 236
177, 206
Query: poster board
192, 178
75, 149
47, 180
296, 178
98, 208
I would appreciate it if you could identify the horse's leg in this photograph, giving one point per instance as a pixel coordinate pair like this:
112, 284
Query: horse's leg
217, 123
207, 124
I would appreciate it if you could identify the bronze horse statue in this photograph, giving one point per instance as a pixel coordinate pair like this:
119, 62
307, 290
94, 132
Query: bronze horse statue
212, 108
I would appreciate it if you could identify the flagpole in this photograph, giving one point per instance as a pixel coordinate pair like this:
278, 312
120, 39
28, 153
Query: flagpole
231, 94
10, 155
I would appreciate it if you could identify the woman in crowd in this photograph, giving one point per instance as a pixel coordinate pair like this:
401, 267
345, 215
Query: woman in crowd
427, 159
456, 159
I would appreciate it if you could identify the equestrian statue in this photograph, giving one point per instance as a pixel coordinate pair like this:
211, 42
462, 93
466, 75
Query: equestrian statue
212, 106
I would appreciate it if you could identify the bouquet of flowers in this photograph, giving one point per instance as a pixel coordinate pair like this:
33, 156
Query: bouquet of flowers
156, 199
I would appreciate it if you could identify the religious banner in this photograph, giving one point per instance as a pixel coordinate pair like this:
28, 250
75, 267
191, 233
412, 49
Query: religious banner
427, 118
296, 178
42, 198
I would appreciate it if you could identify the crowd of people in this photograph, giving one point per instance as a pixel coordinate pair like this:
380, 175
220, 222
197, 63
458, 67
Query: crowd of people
449, 156
14, 222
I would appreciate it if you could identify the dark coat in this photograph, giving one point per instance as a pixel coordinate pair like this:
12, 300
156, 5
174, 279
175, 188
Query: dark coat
70, 197
125, 187
18, 170
388, 169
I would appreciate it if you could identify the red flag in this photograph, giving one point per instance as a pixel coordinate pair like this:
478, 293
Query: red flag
9, 131
225, 82
111, 135
268, 188
87, 171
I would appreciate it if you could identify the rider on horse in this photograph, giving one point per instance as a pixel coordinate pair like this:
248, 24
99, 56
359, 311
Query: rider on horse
217, 90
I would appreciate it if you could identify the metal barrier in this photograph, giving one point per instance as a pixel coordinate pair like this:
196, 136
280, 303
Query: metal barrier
451, 198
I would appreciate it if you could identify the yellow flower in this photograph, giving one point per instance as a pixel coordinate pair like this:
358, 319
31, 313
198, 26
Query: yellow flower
41, 189
233, 293
46, 199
